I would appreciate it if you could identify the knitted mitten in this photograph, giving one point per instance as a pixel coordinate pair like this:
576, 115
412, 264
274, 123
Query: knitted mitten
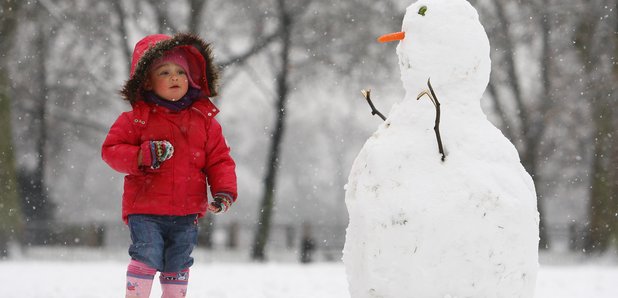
160, 151
221, 203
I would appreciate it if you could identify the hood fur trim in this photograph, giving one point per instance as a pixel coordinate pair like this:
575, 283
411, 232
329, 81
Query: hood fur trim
131, 90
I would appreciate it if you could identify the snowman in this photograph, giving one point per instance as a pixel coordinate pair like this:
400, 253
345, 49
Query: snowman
440, 207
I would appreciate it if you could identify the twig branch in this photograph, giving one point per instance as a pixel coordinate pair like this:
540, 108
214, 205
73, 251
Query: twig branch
436, 128
258, 46
122, 29
374, 111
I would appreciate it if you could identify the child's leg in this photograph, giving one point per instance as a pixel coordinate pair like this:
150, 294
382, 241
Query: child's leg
146, 253
180, 240
139, 279
174, 284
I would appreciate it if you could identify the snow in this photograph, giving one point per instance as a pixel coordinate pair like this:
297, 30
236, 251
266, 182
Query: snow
94, 279
469, 223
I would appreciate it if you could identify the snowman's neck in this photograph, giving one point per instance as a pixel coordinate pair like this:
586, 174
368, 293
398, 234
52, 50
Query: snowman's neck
462, 101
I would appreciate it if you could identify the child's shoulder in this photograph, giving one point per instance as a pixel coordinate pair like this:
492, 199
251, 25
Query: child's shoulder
137, 115
206, 108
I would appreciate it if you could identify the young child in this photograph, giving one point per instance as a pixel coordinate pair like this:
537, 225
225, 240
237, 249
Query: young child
171, 147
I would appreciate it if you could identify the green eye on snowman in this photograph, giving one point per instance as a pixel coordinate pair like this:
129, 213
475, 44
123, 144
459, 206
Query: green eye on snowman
422, 10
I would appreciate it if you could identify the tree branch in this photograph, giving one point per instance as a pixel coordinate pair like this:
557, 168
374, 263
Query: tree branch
256, 48
122, 28
509, 50
374, 111
163, 21
436, 128
197, 7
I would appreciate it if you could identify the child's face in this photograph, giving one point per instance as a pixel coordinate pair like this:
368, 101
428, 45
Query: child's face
169, 81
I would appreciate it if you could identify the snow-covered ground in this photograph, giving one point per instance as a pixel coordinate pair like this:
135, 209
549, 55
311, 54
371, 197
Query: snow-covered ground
69, 275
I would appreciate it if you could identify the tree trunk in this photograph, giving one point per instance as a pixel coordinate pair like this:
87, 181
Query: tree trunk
10, 212
36, 204
538, 127
195, 15
10, 220
601, 211
613, 173
122, 29
613, 106
602, 205
268, 196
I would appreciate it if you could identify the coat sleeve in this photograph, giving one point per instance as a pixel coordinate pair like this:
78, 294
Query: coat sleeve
220, 168
121, 147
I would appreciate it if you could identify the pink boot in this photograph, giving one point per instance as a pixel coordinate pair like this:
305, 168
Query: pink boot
139, 279
174, 284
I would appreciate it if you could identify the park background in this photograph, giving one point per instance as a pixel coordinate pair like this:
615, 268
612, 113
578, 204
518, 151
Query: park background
293, 114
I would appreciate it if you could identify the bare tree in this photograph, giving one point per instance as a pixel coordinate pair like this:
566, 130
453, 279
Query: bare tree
595, 46
37, 205
305, 27
286, 19
121, 16
50, 117
613, 104
10, 219
528, 37
195, 14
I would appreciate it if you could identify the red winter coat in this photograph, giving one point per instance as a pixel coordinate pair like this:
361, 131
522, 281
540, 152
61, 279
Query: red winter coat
201, 155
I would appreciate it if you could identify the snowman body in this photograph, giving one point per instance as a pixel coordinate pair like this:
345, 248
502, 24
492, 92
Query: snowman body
421, 227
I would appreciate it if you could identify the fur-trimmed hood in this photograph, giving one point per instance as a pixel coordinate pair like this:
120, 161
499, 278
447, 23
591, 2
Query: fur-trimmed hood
200, 57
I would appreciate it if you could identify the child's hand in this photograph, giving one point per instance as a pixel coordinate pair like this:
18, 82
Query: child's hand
220, 204
160, 151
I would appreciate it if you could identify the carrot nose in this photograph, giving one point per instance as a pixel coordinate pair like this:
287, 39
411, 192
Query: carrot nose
392, 37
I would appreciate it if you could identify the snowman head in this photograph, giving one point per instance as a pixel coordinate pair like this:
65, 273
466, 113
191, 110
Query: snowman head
443, 40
